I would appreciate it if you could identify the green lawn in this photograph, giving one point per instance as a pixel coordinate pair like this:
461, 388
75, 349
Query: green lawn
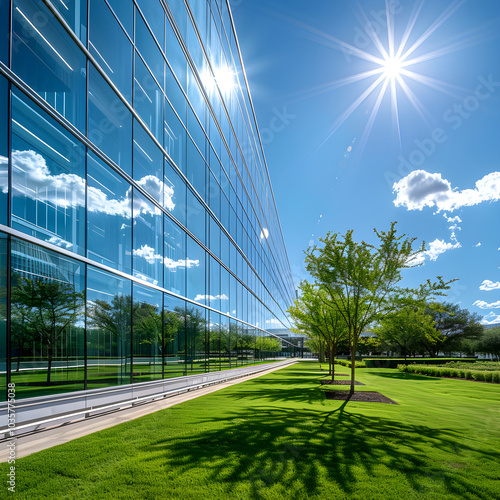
277, 437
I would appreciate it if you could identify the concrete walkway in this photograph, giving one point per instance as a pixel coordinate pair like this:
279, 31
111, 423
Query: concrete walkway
40, 440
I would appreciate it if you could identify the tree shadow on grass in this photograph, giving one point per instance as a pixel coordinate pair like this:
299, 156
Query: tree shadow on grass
297, 452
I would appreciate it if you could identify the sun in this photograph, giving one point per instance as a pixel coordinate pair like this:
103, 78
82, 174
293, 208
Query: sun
392, 67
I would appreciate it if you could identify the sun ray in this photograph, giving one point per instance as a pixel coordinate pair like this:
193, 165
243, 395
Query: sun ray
372, 34
328, 40
448, 12
394, 106
419, 107
327, 87
436, 84
371, 119
348, 112
409, 27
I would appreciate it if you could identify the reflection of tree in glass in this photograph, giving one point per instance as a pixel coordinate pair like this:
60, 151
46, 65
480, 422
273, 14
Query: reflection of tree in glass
22, 331
113, 317
47, 308
147, 323
195, 326
172, 321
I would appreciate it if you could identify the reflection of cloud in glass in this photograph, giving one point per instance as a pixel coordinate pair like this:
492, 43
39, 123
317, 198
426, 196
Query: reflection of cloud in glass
201, 298
68, 190
146, 252
4, 179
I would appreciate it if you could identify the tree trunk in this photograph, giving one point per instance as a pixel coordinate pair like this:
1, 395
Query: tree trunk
49, 362
353, 369
332, 357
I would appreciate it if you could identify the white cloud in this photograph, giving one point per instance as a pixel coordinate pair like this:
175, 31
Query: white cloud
421, 189
491, 319
478, 245
484, 305
273, 322
68, 190
202, 298
488, 285
437, 247
146, 252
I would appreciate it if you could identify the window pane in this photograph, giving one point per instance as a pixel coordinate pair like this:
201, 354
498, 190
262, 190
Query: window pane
109, 310
175, 257
4, 161
146, 334
3, 316
155, 17
195, 271
109, 216
48, 177
215, 296
196, 355
4, 31
195, 216
174, 194
124, 10
110, 122
148, 163
75, 14
196, 169
148, 49
46, 58
174, 336
174, 138
111, 47
147, 241
214, 342
175, 56
47, 348
148, 99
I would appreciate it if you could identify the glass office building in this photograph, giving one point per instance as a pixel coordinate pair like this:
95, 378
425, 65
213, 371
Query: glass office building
139, 237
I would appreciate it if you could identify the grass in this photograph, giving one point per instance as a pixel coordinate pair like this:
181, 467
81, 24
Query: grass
277, 437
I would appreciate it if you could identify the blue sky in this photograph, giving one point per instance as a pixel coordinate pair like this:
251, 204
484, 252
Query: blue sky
341, 157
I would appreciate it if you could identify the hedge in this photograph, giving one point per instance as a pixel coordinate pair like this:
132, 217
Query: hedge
394, 362
443, 371
344, 362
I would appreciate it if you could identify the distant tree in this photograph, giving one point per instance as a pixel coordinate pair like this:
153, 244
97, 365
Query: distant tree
407, 327
47, 309
455, 324
489, 342
361, 279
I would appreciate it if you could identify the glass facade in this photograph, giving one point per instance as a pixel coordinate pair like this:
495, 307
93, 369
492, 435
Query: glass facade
139, 239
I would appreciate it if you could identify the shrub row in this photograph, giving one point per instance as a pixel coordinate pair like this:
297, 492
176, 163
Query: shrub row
345, 362
442, 371
394, 362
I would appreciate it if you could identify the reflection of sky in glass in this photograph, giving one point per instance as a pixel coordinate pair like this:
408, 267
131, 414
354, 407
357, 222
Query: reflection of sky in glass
68, 190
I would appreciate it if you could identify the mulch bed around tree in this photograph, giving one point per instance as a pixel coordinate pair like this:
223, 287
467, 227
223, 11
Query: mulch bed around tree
328, 380
339, 382
364, 396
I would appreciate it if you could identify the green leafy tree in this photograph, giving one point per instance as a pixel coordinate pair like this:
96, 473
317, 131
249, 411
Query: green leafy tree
455, 325
407, 327
315, 316
47, 309
489, 342
361, 279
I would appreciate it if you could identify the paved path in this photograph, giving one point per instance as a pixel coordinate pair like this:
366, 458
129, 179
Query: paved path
40, 440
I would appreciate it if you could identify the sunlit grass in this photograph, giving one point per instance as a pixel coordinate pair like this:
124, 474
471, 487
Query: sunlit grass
277, 437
